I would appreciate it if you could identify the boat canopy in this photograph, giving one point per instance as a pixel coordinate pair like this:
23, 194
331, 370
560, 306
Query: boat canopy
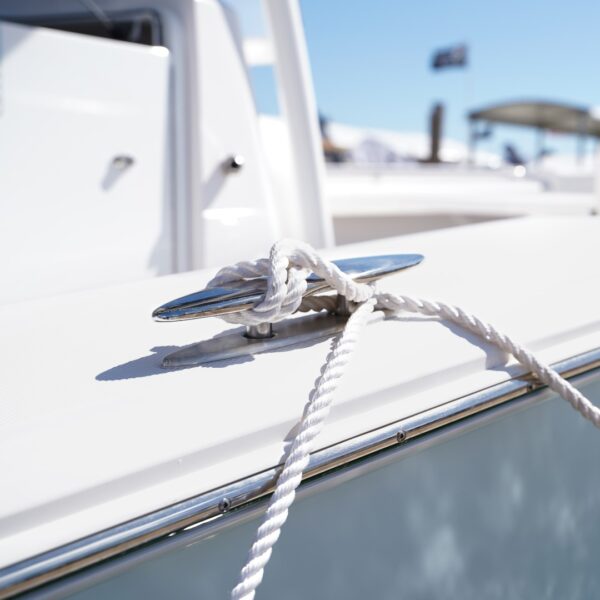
555, 116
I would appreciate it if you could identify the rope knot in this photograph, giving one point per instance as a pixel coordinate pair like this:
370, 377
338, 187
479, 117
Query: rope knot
285, 273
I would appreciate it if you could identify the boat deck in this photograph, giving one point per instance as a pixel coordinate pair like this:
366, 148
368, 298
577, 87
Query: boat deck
94, 432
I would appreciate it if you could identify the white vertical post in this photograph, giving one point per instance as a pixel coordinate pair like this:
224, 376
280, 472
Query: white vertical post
596, 209
300, 112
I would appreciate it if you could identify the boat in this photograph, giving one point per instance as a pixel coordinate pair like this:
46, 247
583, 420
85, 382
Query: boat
370, 198
444, 469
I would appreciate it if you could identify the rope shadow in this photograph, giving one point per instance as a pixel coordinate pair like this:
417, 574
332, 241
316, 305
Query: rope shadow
495, 359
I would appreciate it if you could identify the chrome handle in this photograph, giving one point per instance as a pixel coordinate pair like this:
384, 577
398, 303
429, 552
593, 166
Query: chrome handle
122, 162
234, 163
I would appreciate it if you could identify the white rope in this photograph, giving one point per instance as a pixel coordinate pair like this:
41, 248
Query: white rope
287, 268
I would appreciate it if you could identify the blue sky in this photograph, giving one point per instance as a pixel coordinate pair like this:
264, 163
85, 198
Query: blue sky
370, 59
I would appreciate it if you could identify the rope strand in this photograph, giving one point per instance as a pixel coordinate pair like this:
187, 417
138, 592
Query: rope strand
286, 270
290, 477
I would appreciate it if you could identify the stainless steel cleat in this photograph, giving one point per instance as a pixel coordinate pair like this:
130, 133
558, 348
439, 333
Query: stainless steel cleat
214, 302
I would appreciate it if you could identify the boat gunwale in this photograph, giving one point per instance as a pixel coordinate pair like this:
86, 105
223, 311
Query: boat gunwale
218, 503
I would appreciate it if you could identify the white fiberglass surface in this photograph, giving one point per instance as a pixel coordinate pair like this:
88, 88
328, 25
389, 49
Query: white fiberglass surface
84, 183
506, 509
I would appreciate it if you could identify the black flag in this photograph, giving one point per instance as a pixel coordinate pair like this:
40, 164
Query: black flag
450, 57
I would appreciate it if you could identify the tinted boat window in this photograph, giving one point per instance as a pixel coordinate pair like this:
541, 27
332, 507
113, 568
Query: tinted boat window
138, 27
